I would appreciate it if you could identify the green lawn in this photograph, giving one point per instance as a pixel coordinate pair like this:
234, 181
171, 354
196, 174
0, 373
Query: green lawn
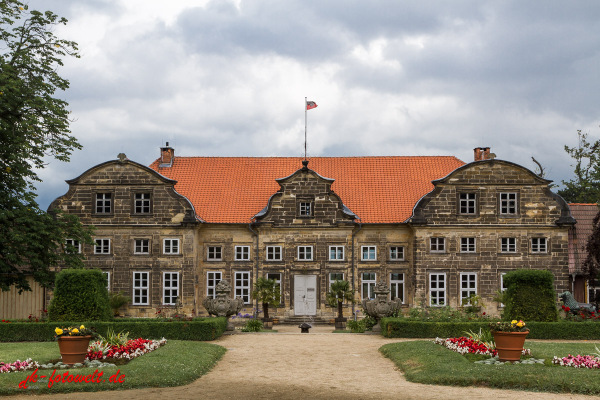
177, 363
430, 363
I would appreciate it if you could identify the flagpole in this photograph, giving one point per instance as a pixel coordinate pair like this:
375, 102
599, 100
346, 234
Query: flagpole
305, 111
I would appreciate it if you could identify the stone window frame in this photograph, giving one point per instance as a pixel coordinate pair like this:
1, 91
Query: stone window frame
502, 287
273, 247
242, 285
460, 201
213, 249
505, 247
397, 283
305, 207
102, 246
210, 288
536, 248
396, 257
244, 253
516, 201
171, 246
111, 205
370, 285
134, 203
336, 252
176, 289
135, 246
304, 253
75, 243
437, 241
107, 277
140, 291
368, 247
465, 248
471, 289
437, 289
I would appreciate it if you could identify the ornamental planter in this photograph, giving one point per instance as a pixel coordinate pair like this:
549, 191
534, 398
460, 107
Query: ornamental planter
73, 349
509, 345
340, 323
267, 323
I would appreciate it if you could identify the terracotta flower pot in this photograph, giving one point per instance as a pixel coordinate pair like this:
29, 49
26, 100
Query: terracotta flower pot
73, 349
509, 345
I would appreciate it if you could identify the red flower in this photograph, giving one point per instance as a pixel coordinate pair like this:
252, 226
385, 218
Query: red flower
567, 309
483, 313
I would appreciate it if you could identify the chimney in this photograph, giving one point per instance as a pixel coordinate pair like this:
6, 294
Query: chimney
481, 153
167, 155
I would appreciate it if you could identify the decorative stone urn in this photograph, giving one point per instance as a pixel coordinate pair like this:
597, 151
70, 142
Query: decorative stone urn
380, 306
223, 305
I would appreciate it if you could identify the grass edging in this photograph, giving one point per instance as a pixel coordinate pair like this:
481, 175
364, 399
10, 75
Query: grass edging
429, 363
175, 364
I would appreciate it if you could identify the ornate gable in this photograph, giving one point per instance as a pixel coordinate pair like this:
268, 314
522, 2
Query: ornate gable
305, 198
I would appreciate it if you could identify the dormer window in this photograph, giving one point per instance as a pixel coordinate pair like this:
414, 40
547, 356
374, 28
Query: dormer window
141, 203
508, 203
467, 204
103, 203
305, 209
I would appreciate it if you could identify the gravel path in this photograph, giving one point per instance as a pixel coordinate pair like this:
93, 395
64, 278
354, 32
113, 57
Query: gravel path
318, 365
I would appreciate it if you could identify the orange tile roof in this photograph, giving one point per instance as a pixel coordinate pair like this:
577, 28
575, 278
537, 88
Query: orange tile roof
377, 189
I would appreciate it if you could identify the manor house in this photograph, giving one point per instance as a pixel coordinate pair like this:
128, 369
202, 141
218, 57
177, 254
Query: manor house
436, 230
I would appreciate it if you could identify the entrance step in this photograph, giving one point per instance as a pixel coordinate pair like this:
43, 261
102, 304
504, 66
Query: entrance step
298, 319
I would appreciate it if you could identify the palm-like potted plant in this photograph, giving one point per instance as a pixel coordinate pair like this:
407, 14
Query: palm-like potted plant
338, 293
267, 292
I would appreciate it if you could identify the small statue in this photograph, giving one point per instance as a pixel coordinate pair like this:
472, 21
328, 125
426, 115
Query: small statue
380, 306
569, 301
222, 305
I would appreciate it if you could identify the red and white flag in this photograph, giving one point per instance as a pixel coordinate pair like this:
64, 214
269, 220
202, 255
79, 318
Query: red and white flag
310, 105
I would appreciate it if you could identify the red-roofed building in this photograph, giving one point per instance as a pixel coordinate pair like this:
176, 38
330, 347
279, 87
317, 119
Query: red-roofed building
435, 230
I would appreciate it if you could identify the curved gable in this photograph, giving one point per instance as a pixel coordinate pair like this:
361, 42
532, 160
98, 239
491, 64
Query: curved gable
493, 171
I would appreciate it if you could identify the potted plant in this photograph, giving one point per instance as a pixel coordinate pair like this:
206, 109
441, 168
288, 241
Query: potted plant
116, 301
338, 293
73, 343
267, 292
509, 338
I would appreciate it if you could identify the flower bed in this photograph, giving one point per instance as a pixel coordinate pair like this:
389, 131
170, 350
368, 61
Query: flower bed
18, 366
578, 361
134, 348
464, 345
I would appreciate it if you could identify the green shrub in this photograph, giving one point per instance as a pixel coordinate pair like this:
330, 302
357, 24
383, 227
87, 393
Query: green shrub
116, 301
198, 329
80, 295
357, 326
253, 325
530, 296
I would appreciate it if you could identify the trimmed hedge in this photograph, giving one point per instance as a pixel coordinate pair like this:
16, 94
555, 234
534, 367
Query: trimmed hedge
401, 328
530, 296
201, 329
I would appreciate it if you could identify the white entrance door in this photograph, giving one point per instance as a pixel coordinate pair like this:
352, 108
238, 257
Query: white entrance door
305, 295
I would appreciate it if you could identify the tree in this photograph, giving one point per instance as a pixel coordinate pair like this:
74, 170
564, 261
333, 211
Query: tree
338, 293
34, 124
591, 264
585, 187
267, 292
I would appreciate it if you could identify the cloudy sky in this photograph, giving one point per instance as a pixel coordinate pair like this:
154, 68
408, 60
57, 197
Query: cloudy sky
229, 78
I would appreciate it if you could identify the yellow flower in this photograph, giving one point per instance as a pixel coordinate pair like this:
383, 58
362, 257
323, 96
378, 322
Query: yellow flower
82, 327
75, 330
520, 324
514, 321
58, 331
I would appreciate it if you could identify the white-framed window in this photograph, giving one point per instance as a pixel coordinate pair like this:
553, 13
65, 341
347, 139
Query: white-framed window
467, 204
368, 282
141, 285
102, 246
273, 253
508, 245
242, 253
437, 289
508, 203
276, 276
437, 245
305, 208
397, 286
396, 253
468, 286
212, 279
368, 253
103, 203
539, 245
241, 285
305, 253
214, 253
170, 288
502, 285
467, 245
170, 246
107, 279
141, 246
336, 253
141, 203
335, 276
72, 246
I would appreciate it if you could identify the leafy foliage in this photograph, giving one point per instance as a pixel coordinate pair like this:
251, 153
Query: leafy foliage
80, 295
34, 124
530, 296
267, 292
585, 187
253, 325
116, 301
339, 292
591, 264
